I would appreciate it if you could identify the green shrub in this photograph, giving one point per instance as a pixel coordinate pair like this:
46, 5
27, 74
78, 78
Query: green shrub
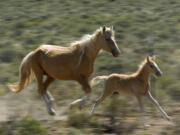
174, 91
78, 118
2, 131
75, 132
29, 126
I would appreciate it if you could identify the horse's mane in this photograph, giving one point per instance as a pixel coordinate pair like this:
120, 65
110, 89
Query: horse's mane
86, 38
141, 66
83, 39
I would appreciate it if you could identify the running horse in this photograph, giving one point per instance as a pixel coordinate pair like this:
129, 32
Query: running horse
75, 62
136, 84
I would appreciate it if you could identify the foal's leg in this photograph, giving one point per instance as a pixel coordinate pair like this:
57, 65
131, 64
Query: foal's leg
150, 97
87, 89
141, 110
106, 93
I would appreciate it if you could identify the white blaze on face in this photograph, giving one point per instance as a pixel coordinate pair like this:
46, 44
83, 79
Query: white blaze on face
157, 68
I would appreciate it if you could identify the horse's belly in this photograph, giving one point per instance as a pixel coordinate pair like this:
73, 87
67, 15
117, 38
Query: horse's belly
60, 73
57, 68
64, 67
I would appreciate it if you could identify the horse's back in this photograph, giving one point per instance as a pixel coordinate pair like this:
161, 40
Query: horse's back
53, 49
57, 61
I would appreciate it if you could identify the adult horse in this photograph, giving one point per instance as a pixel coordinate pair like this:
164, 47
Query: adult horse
65, 63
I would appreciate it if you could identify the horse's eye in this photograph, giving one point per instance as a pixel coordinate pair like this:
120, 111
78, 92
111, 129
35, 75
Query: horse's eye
107, 39
151, 66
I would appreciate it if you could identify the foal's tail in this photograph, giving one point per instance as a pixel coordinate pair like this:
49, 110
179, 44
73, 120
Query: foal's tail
96, 80
26, 74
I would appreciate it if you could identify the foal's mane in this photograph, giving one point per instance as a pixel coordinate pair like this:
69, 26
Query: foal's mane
141, 66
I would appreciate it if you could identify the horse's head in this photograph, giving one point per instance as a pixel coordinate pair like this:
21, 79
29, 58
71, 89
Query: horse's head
108, 42
153, 67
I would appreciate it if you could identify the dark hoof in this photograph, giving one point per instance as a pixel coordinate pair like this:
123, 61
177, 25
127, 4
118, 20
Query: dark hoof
145, 126
52, 99
52, 112
71, 106
80, 107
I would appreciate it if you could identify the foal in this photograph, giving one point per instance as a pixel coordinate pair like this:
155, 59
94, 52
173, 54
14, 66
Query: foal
136, 84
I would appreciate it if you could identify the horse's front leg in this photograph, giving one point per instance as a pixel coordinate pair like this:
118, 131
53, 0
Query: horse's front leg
49, 104
87, 89
150, 97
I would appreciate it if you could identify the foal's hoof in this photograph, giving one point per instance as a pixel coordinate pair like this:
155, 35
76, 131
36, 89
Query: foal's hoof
52, 112
145, 126
81, 107
171, 121
169, 118
91, 114
72, 106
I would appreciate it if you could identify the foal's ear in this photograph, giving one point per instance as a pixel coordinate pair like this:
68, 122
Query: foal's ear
103, 29
153, 57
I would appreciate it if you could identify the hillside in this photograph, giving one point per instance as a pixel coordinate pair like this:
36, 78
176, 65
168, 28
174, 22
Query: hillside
142, 27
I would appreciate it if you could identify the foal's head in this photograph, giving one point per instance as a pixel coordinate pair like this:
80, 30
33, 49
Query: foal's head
152, 67
107, 41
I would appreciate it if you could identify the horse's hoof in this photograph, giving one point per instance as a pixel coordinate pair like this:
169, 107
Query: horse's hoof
52, 112
51, 99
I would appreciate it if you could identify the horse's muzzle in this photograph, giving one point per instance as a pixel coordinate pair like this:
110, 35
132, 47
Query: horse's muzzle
115, 52
159, 73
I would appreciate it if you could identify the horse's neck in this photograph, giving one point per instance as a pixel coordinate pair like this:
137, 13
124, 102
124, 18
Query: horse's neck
91, 50
143, 75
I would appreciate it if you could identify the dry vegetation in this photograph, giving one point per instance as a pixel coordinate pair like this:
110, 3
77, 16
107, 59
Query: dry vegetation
142, 27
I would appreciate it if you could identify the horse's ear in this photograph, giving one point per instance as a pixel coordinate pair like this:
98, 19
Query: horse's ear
148, 58
112, 28
104, 29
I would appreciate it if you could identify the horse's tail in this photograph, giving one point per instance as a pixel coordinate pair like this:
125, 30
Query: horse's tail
26, 74
96, 80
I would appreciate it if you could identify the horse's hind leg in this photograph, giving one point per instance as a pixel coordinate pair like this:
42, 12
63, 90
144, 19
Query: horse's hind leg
39, 77
41, 89
48, 98
47, 82
49, 104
